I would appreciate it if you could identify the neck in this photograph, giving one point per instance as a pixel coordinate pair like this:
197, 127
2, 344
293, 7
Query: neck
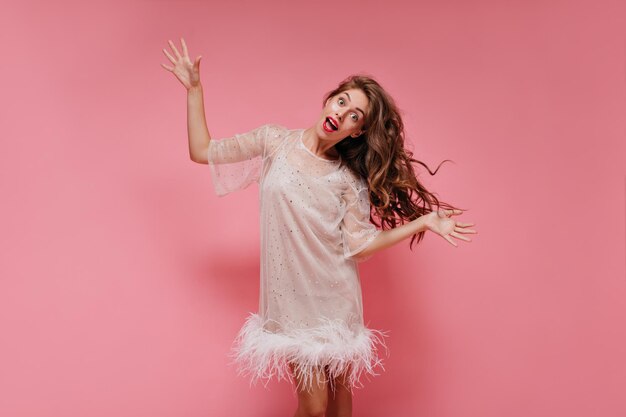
321, 147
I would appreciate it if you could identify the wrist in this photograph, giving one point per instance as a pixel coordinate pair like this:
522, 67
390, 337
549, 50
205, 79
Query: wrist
422, 224
194, 89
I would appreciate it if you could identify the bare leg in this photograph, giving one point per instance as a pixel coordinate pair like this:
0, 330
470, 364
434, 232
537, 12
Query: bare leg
311, 402
340, 401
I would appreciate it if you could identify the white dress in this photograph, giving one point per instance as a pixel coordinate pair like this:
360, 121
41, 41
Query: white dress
314, 216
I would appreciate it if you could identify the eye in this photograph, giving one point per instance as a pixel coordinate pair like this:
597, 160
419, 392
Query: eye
356, 117
341, 101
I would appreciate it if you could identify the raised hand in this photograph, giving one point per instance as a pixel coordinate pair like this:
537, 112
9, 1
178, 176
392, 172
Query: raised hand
188, 73
441, 222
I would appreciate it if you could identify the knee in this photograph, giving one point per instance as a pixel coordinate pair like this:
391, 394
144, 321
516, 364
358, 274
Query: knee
313, 398
312, 409
313, 404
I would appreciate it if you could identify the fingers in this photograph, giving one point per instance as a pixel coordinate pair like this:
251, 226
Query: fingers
167, 68
460, 229
171, 58
458, 236
465, 224
174, 49
444, 212
184, 47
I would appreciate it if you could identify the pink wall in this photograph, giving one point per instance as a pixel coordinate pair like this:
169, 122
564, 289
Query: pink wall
123, 278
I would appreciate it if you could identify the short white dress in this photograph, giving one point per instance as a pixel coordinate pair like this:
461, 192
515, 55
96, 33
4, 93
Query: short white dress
314, 217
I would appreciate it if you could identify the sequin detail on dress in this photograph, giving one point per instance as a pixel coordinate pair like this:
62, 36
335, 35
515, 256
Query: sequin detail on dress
314, 217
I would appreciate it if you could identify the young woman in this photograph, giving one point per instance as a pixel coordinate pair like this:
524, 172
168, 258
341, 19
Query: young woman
317, 187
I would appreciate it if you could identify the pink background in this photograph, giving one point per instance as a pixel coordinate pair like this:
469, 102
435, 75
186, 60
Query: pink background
123, 278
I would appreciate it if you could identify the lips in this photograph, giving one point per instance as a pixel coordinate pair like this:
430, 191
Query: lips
332, 123
327, 126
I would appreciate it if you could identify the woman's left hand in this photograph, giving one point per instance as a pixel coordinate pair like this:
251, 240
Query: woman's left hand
441, 222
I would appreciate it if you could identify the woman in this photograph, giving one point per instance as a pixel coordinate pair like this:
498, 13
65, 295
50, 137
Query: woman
317, 186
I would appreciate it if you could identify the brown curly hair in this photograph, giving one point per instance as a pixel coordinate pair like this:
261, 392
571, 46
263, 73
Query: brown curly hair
378, 155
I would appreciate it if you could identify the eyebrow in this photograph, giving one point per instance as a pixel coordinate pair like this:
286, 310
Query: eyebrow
351, 102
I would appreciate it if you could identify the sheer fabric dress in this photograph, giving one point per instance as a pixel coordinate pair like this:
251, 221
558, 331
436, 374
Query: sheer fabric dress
314, 217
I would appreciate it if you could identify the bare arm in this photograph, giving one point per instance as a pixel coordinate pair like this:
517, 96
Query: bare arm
439, 222
390, 237
188, 73
197, 131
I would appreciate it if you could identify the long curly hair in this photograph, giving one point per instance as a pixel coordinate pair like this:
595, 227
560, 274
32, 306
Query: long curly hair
378, 155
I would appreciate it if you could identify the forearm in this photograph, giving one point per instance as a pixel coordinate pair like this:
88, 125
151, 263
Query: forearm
197, 130
390, 237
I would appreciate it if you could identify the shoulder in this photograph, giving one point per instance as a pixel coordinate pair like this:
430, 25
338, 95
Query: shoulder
276, 135
353, 183
353, 179
276, 129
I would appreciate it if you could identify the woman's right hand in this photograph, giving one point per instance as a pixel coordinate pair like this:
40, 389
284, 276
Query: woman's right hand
188, 73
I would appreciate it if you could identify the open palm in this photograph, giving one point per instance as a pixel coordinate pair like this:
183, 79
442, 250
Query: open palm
442, 223
187, 72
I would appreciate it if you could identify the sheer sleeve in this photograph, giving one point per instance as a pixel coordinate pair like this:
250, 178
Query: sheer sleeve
237, 161
356, 229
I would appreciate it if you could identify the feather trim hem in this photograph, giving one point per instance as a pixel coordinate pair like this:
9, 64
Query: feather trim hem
332, 346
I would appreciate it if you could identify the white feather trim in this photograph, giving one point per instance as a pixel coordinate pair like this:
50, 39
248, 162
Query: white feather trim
332, 345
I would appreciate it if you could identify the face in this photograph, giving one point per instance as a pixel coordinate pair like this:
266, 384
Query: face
347, 111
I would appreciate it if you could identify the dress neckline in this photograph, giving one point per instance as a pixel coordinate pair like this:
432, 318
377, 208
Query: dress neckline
333, 161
